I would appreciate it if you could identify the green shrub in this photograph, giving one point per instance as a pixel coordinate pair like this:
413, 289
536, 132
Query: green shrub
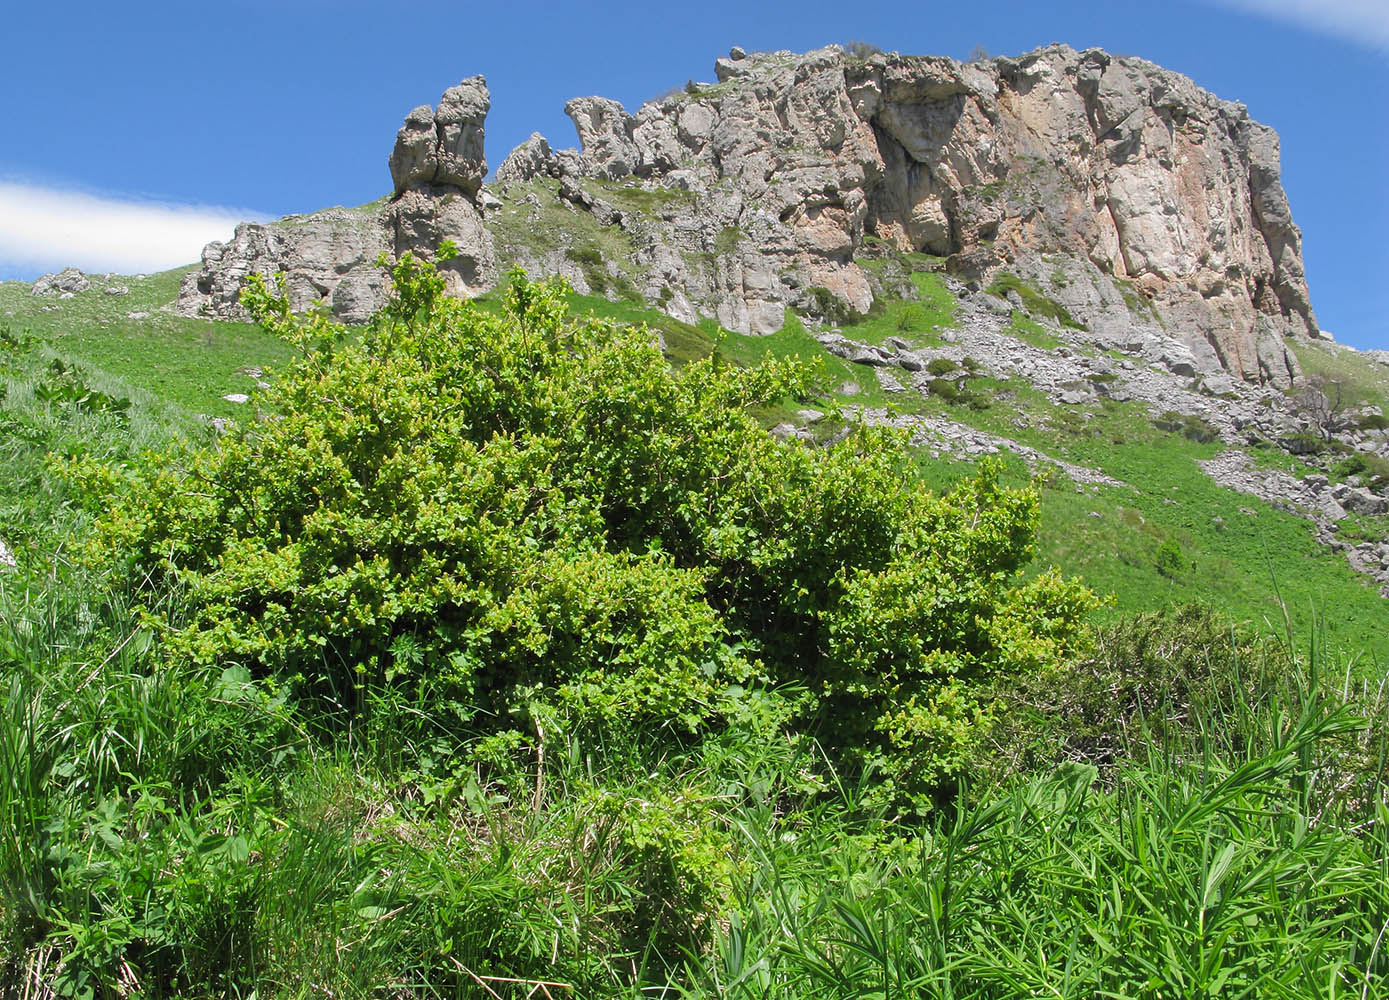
1190, 426
941, 366
1372, 468
528, 517
1171, 561
1185, 677
67, 388
946, 389
911, 317
957, 392
829, 307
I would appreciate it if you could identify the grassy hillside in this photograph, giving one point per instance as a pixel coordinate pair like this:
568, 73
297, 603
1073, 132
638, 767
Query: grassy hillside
136, 338
1185, 810
1171, 536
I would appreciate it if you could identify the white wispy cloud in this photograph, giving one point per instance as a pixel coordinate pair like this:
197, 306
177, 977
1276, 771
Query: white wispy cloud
1363, 22
45, 228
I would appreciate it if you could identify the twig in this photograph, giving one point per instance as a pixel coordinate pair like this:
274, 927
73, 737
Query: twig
539, 767
543, 985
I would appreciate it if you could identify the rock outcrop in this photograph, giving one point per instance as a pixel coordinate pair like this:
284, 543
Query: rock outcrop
1142, 205
330, 258
443, 146
68, 281
326, 258
1162, 199
437, 168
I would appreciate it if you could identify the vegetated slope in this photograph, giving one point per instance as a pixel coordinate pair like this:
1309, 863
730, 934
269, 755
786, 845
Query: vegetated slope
132, 334
1188, 810
975, 375
368, 699
1114, 244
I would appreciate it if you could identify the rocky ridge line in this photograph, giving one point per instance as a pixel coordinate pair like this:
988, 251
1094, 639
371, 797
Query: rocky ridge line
761, 191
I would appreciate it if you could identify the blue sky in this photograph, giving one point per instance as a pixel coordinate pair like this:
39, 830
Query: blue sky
135, 132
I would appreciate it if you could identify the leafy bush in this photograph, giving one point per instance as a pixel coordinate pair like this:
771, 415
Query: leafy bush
956, 392
1189, 425
911, 317
947, 389
1372, 468
1171, 561
69, 389
533, 518
1185, 677
941, 366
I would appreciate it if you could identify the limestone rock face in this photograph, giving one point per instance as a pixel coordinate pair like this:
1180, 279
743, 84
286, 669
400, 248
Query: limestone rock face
438, 167
605, 132
327, 258
533, 158
422, 218
330, 257
1146, 207
1170, 196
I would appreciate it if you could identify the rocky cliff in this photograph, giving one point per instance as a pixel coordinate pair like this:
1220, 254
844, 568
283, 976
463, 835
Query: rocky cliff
330, 257
1148, 208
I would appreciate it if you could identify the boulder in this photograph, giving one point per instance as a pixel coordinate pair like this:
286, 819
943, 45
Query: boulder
68, 281
1362, 501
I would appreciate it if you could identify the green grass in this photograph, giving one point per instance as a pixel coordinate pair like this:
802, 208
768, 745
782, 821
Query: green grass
1183, 815
189, 363
794, 341
1029, 331
1252, 565
628, 193
684, 342
916, 322
176, 832
559, 227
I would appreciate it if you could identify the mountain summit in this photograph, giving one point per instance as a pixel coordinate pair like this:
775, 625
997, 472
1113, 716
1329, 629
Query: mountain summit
1160, 204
